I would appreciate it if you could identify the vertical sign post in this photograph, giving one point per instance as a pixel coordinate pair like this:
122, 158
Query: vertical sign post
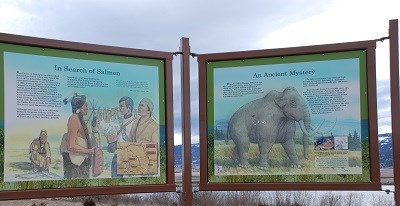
187, 194
394, 93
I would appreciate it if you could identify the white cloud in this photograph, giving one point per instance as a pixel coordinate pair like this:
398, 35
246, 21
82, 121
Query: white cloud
178, 138
13, 17
345, 21
212, 26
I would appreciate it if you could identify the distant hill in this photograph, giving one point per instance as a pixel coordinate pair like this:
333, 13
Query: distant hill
195, 154
385, 152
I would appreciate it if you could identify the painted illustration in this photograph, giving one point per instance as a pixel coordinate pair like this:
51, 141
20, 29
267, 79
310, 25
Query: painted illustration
267, 121
76, 148
82, 119
40, 153
118, 130
286, 119
145, 128
139, 154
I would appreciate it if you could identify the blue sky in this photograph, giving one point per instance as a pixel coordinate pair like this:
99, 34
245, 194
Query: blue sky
212, 27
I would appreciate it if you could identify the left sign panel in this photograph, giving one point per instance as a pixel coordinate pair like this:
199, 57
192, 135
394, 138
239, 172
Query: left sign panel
78, 119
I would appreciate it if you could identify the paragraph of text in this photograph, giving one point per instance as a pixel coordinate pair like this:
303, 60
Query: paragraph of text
37, 90
240, 89
326, 100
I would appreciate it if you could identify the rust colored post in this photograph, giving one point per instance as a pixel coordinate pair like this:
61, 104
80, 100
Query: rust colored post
187, 194
394, 93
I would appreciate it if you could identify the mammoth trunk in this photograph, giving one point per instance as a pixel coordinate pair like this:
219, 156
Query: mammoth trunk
305, 126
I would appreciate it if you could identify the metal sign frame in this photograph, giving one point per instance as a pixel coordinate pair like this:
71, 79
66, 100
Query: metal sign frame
166, 102
225, 60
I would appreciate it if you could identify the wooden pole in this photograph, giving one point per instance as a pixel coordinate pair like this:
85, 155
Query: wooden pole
187, 194
395, 103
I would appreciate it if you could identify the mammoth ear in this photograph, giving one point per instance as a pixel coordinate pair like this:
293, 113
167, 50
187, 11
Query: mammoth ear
280, 101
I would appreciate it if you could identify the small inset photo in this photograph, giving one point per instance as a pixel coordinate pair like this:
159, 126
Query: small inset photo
342, 143
324, 143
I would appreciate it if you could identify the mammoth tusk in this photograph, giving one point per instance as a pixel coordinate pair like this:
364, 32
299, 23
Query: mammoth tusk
319, 126
304, 130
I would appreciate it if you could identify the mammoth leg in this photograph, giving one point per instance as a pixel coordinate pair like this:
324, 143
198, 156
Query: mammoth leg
286, 136
264, 148
289, 147
235, 156
242, 147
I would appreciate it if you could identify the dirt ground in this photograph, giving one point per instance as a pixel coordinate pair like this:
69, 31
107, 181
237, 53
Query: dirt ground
387, 176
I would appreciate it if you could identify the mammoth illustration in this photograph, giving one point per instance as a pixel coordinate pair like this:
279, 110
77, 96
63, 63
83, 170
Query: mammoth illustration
267, 121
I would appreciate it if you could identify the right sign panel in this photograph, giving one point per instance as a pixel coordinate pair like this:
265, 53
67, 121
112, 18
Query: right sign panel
294, 119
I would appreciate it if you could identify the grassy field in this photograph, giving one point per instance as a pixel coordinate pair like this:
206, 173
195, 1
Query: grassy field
279, 162
280, 169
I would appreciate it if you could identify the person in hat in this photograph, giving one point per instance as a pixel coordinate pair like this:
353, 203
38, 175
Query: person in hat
78, 149
145, 129
40, 155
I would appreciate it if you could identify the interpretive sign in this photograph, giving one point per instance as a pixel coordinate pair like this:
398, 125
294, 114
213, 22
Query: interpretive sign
289, 117
76, 115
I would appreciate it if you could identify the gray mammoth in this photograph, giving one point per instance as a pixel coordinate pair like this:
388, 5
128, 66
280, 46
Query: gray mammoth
267, 121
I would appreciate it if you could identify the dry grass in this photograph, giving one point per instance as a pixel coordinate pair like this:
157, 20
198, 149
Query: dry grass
272, 198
